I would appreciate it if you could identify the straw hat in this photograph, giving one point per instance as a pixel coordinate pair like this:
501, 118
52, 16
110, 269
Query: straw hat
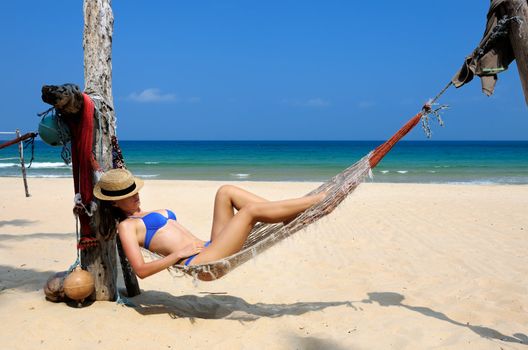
117, 184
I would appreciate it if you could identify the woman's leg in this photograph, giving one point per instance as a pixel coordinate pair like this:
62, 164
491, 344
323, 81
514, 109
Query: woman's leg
233, 235
227, 199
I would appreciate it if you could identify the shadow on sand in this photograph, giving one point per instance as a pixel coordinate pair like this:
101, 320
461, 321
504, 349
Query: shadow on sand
22, 279
315, 343
234, 308
25, 237
395, 299
215, 306
17, 222
220, 306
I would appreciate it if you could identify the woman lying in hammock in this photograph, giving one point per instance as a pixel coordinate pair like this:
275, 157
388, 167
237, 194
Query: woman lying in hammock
159, 232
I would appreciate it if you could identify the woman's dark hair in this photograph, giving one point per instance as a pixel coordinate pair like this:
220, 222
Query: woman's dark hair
110, 216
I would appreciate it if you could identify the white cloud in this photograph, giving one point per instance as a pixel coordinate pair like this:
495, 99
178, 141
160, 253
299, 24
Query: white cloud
366, 104
315, 102
152, 95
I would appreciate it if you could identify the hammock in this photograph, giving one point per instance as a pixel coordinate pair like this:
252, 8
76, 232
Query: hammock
265, 235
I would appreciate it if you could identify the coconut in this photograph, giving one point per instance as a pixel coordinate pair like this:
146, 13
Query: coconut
79, 284
54, 288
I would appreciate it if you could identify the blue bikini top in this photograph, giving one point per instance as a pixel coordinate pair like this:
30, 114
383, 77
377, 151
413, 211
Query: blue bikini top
153, 222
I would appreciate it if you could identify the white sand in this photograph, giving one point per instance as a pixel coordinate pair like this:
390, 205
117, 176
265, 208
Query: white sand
397, 266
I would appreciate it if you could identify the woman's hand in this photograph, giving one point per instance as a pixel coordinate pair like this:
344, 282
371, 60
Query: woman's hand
192, 248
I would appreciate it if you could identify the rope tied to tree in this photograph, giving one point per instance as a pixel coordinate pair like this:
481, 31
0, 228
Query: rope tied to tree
80, 207
77, 261
428, 111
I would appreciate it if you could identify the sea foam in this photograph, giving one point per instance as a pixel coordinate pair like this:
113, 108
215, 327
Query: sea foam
241, 175
38, 165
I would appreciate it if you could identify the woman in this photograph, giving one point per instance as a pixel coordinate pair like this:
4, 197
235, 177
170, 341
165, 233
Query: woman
159, 231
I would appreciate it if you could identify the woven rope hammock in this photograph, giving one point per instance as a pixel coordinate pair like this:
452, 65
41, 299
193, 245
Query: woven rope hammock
338, 188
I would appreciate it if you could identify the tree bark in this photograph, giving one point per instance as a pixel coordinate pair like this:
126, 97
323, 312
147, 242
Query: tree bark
518, 34
97, 44
101, 261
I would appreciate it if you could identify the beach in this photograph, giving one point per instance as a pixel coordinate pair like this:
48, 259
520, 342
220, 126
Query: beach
396, 266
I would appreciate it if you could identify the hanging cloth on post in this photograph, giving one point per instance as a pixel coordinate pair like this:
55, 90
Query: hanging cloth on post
83, 163
493, 54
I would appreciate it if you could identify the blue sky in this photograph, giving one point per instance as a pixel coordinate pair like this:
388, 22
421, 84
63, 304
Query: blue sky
264, 70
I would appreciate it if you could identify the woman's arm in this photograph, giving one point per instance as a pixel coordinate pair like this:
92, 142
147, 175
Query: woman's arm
127, 234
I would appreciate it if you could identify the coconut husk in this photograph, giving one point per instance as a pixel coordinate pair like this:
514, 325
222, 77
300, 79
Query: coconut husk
54, 287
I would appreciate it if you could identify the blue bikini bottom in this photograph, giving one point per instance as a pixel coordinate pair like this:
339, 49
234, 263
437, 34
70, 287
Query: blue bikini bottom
189, 259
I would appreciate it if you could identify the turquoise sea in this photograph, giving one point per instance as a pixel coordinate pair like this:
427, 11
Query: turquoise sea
479, 162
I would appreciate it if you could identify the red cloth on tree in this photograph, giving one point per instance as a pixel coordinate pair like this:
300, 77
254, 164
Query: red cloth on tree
81, 129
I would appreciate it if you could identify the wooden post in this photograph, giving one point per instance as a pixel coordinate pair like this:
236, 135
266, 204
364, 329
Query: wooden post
518, 34
22, 165
101, 261
131, 282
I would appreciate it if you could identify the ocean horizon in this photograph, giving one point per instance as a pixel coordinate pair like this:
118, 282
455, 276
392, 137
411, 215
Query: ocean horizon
475, 162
